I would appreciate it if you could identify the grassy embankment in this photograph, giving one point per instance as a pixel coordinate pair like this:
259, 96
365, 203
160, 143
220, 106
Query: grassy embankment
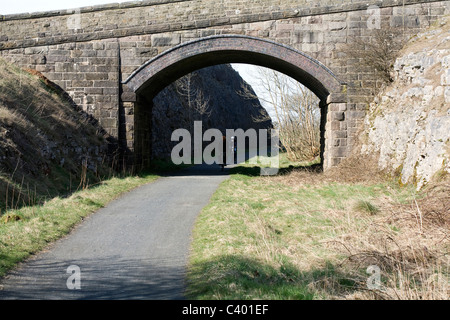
309, 235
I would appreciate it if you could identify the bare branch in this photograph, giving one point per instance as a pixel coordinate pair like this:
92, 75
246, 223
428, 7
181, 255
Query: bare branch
296, 112
197, 103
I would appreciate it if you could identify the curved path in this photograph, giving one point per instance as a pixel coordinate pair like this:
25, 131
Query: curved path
135, 248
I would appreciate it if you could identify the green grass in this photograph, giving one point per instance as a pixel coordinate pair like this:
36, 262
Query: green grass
248, 241
267, 238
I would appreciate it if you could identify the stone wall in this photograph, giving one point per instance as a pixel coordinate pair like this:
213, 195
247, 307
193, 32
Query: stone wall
88, 71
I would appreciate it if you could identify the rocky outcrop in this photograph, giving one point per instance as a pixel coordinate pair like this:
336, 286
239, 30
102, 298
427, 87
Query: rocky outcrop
408, 124
218, 89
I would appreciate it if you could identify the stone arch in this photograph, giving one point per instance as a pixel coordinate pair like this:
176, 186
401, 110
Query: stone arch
143, 85
165, 68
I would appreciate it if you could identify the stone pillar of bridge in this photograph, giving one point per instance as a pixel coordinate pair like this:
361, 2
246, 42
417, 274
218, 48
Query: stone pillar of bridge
136, 130
334, 130
126, 128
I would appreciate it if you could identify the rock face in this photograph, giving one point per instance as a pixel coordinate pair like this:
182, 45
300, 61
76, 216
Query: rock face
408, 124
217, 89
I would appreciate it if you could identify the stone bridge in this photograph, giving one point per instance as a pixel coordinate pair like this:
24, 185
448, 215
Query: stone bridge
113, 59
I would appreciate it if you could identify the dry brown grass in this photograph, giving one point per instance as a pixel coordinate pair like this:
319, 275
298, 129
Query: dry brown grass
407, 236
409, 244
354, 169
309, 229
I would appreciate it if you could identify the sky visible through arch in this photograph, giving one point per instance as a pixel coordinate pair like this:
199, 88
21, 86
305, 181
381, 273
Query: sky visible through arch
247, 72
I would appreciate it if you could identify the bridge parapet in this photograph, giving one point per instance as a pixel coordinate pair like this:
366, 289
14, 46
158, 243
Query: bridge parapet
159, 16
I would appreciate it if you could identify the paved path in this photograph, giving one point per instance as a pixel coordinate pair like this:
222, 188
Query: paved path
135, 248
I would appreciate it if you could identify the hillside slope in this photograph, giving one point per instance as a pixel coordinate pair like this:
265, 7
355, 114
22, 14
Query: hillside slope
47, 147
219, 88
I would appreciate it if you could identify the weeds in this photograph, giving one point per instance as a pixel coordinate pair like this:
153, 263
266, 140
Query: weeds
378, 55
366, 206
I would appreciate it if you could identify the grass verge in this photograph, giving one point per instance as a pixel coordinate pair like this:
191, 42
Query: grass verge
307, 235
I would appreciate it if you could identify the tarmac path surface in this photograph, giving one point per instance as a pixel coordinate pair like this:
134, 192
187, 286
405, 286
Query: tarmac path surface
136, 248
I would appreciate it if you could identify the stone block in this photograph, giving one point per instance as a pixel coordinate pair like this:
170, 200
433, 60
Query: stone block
310, 47
337, 25
94, 91
105, 84
81, 84
337, 107
335, 125
96, 76
340, 152
110, 91
338, 116
64, 67
98, 46
339, 134
73, 76
108, 123
129, 97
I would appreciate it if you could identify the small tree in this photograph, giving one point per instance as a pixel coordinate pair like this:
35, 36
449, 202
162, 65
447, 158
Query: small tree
378, 51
